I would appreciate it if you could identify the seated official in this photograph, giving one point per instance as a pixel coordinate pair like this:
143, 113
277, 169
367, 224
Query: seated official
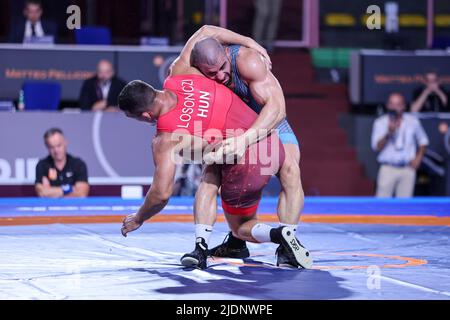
60, 174
33, 26
100, 92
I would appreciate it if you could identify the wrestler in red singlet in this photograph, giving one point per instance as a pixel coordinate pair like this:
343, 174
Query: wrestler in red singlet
204, 101
203, 104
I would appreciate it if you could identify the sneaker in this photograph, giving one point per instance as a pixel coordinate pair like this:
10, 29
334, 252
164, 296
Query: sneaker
198, 257
224, 250
291, 252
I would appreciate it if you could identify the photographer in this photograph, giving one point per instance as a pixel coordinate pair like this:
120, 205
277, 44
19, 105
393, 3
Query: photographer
431, 97
400, 141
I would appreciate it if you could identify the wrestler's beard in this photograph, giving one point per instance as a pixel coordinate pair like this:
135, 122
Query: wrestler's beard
229, 82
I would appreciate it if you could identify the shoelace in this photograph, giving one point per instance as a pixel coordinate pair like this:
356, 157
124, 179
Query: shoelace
222, 249
202, 251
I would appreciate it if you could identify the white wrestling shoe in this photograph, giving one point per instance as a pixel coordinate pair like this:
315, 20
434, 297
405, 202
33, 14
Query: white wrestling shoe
291, 253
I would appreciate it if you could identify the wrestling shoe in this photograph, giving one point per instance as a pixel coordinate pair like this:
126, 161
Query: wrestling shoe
198, 257
291, 253
231, 247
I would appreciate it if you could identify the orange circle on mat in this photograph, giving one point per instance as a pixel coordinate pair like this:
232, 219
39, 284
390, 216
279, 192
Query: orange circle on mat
408, 262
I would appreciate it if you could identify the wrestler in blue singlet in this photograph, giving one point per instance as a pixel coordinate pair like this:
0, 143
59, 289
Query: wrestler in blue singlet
241, 89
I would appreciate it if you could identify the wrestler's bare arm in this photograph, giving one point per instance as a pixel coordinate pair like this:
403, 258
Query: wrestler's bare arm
266, 90
222, 35
162, 185
161, 188
182, 64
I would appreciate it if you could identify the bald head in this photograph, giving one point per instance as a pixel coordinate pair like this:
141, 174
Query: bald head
105, 71
206, 52
211, 58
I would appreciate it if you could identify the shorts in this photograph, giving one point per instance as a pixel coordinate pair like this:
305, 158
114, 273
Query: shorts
286, 134
242, 183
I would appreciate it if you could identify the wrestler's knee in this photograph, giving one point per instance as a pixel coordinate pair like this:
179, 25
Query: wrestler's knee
235, 230
242, 233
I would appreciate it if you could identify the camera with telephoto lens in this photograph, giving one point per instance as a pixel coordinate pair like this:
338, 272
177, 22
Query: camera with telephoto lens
393, 114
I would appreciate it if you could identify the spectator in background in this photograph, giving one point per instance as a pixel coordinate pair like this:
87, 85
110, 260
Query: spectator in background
400, 141
60, 174
265, 23
431, 97
100, 92
187, 179
33, 26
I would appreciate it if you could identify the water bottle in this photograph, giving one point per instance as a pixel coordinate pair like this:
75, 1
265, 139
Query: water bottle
21, 103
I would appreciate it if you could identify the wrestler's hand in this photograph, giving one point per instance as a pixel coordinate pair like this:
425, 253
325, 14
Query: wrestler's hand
256, 46
214, 156
268, 63
131, 223
235, 146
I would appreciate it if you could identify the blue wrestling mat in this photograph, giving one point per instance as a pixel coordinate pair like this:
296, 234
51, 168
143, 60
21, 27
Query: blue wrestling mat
404, 258
427, 206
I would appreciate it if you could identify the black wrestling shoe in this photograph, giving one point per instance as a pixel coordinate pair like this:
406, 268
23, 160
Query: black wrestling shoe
291, 253
198, 257
285, 259
231, 247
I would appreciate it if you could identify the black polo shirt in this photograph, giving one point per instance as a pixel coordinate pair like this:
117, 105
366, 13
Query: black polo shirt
74, 171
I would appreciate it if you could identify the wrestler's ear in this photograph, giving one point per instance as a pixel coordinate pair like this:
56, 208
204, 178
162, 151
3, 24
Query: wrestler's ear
148, 116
